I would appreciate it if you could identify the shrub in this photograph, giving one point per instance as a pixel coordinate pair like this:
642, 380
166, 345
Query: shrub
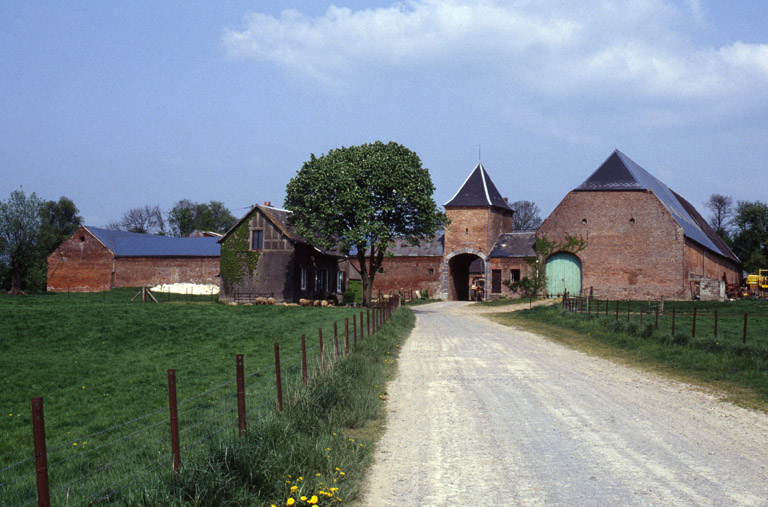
681, 339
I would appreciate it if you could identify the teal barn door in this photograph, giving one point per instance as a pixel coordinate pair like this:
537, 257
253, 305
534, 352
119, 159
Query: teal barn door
563, 274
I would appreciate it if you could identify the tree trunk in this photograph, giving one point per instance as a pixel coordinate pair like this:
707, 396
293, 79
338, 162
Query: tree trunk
15, 284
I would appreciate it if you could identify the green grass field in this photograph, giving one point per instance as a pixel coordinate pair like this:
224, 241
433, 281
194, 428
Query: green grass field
737, 364
98, 361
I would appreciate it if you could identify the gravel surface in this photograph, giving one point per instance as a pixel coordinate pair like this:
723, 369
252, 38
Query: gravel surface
483, 414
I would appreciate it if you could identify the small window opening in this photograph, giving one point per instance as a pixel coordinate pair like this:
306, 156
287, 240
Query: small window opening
431, 271
82, 239
632, 221
514, 275
466, 231
583, 221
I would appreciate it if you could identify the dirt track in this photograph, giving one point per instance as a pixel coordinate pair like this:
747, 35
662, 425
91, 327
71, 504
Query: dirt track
482, 414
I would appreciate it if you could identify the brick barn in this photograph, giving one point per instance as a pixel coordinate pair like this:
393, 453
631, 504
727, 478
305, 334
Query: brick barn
643, 240
261, 255
95, 259
480, 242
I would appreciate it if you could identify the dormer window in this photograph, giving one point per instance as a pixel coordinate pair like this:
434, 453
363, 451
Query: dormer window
257, 239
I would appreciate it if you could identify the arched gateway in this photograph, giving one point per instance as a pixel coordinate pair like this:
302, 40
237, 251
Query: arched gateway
466, 278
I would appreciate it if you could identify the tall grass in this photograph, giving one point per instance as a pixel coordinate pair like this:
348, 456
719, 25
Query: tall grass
100, 363
316, 448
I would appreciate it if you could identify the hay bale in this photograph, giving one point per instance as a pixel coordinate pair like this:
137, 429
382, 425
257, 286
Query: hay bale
324, 303
316, 302
305, 302
270, 301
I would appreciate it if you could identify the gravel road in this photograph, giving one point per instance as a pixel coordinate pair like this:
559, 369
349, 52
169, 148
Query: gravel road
483, 414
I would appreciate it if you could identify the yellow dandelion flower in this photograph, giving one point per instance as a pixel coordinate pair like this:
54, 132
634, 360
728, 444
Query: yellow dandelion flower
294, 488
303, 498
351, 439
75, 444
338, 469
301, 478
334, 490
317, 474
290, 501
342, 474
313, 500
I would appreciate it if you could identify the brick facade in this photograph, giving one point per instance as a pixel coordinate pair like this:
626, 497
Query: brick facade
83, 264
635, 248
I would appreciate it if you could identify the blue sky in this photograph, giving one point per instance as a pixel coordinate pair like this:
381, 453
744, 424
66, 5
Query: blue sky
118, 105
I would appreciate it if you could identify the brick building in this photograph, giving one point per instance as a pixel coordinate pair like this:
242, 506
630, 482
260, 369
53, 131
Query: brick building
95, 259
476, 253
263, 256
643, 240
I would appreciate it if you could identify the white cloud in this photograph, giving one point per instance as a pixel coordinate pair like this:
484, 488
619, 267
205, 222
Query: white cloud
638, 52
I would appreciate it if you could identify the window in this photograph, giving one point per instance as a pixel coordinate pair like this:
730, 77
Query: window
340, 281
303, 285
257, 239
514, 275
431, 271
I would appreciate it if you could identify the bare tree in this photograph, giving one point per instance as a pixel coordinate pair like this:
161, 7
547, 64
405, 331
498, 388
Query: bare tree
145, 219
721, 208
526, 215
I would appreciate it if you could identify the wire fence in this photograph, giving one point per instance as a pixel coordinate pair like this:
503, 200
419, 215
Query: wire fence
104, 465
683, 321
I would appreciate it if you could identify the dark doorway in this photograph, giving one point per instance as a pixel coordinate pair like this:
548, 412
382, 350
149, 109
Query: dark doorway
467, 271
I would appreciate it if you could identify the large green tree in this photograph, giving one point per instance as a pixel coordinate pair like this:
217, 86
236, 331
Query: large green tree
750, 235
186, 217
359, 199
19, 233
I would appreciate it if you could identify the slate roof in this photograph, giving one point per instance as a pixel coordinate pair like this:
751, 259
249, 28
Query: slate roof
620, 173
132, 244
478, 190
427, 248
515, 244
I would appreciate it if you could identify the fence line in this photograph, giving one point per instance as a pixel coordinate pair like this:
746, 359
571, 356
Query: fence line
696, 323
102, 470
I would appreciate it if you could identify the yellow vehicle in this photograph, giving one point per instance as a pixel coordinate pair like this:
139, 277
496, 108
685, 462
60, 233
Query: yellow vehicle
758, 283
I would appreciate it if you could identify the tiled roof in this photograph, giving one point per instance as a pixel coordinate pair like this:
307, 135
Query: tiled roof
515, 244
478, 190
620, 173
132, 244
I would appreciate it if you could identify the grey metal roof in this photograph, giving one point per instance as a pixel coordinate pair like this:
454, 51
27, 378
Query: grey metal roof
131, 244
515, 244
620, 173
478, 190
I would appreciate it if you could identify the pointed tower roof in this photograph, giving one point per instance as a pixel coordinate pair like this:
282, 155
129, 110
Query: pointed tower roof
478, 190
620, 173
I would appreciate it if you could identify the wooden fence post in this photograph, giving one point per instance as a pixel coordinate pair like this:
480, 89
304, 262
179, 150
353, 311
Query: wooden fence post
278, 379
303, 360
673, 320
346, 336
41, 454
175, 447
322, 350
335, 342
744, 339
240, 375
693, 331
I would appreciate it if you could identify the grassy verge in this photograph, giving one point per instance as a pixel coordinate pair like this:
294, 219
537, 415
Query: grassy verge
100, 363
739, 371
504, 302
314, 453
